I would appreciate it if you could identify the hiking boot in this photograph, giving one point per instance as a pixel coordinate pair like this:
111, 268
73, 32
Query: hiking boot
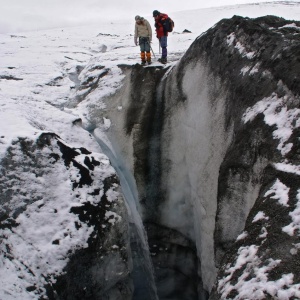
163, 60
149, 62
143, 62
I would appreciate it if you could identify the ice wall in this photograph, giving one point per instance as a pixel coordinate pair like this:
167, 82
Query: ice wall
192, 155
175, 146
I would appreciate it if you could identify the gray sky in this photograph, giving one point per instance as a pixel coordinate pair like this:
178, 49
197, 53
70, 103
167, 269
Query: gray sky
24, 15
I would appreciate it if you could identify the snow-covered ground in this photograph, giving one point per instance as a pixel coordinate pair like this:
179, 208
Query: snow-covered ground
38, 77
37, 68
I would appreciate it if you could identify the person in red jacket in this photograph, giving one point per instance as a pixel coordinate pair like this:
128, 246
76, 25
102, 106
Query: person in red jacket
161, 34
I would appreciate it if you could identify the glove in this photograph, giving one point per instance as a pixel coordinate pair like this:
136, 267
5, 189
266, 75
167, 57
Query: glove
135, 41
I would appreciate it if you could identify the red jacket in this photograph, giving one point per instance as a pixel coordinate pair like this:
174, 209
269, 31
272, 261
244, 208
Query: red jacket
159, 22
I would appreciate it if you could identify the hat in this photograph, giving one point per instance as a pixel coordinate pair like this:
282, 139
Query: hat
138, 18
156, 13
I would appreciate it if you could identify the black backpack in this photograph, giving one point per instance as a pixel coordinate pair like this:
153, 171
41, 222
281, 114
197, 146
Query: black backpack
169, 24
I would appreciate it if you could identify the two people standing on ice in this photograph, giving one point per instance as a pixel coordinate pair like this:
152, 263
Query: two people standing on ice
143, 36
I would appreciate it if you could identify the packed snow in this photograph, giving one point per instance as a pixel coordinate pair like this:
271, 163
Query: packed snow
276, 113
260, 216
280, 192
259, 286
295, 215
40, 76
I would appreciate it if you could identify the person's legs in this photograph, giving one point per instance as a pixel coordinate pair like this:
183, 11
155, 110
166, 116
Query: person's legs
142, 47
148, 57
164, 52
148, 53
143, 57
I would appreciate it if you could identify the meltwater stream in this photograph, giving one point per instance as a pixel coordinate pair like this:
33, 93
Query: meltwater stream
142, 273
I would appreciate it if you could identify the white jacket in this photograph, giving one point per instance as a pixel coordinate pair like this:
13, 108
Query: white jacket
142, 30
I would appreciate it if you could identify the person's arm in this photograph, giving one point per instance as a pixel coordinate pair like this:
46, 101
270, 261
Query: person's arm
163, 23
160, 28
135, 35
149, 30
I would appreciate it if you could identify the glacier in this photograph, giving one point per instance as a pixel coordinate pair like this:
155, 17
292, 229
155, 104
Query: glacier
164, 182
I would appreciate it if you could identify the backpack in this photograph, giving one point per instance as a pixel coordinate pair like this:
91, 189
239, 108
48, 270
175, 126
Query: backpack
169, 24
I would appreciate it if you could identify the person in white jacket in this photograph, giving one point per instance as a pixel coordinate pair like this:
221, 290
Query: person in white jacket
143, 37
